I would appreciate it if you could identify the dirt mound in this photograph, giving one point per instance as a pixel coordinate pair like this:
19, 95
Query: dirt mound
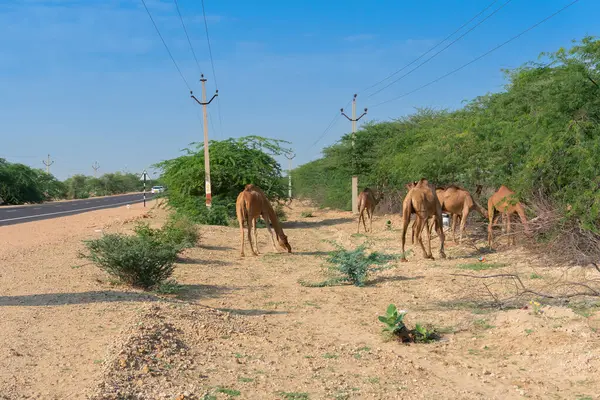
160, 355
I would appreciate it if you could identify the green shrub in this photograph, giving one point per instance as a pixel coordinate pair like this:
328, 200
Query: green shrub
306, 214
178, 232
353, 266
138, 260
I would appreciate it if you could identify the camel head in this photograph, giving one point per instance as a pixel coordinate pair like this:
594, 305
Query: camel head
283, 242
411, 185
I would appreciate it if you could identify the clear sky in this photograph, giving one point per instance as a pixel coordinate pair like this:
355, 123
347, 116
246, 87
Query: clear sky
90, 80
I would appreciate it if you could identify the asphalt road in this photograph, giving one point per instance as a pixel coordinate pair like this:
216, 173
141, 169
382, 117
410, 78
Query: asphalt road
36, 212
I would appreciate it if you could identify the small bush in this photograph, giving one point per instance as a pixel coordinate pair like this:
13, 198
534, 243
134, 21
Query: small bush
394, 325
179, 232
140, 260
353, 266
306, 214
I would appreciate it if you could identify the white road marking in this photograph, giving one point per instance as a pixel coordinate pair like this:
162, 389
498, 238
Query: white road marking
61, 212
37, 208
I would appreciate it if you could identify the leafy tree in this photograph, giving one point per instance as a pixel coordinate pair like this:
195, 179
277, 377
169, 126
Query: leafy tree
234, 164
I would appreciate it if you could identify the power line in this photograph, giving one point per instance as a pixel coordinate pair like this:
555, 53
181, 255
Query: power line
428, 51
166, 47
331, 125
450, 44
212, 63
188, 36
479, 57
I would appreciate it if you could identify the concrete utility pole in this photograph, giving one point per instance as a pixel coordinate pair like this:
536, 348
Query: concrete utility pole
290, 157
48, 164
204, 103
354, 120
96, 167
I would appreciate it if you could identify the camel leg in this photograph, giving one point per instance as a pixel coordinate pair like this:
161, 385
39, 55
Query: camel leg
363, 218
440, 230
360, 214
370, 214
268, 222
421, 223
508, 230
255, 248
490, 224
463, 223
412, 230
429, 225
242, 236
405, 222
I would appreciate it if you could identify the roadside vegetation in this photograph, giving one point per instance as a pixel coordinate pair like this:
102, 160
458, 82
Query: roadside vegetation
539, 136
145, 259
21, 184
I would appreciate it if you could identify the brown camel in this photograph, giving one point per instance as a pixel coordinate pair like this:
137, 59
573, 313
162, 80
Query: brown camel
458, 202
421, 200
252, 203
367, 200
504, 203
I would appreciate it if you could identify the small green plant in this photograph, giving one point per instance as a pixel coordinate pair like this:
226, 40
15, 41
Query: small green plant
388, 225
424, 335
229, 392
394, 325
393, 320
481, 266
330, 356
535, 276
245, 380
135, 260
169, 286
528, 332
306, 214
482, 324
353, 266
293, 395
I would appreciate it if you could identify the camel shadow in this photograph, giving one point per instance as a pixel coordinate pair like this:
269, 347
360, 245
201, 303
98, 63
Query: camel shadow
314, 224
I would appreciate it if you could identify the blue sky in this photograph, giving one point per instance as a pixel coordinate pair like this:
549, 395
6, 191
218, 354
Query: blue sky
91, 81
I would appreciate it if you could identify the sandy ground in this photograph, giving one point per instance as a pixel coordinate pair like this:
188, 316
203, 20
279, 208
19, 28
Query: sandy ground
246, 328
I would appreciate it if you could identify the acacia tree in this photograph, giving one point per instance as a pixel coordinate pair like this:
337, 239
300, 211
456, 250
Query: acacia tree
234, 163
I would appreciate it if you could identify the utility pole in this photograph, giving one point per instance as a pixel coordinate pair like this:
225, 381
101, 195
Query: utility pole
204, 103
354, 120
290, 157
96, 167
48, 164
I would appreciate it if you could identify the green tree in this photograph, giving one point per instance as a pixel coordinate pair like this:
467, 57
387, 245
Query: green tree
234, 163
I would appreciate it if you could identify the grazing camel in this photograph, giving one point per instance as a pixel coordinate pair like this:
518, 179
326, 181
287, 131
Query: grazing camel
504, 203
422, 200
458, 202
250, 204
367, 200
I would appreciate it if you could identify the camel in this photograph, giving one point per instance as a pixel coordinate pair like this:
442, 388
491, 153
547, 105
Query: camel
367, 200
458, 202
422, 200
250, 204
504, 203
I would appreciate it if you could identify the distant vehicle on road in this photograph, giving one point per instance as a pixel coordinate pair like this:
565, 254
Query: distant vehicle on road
157, 189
